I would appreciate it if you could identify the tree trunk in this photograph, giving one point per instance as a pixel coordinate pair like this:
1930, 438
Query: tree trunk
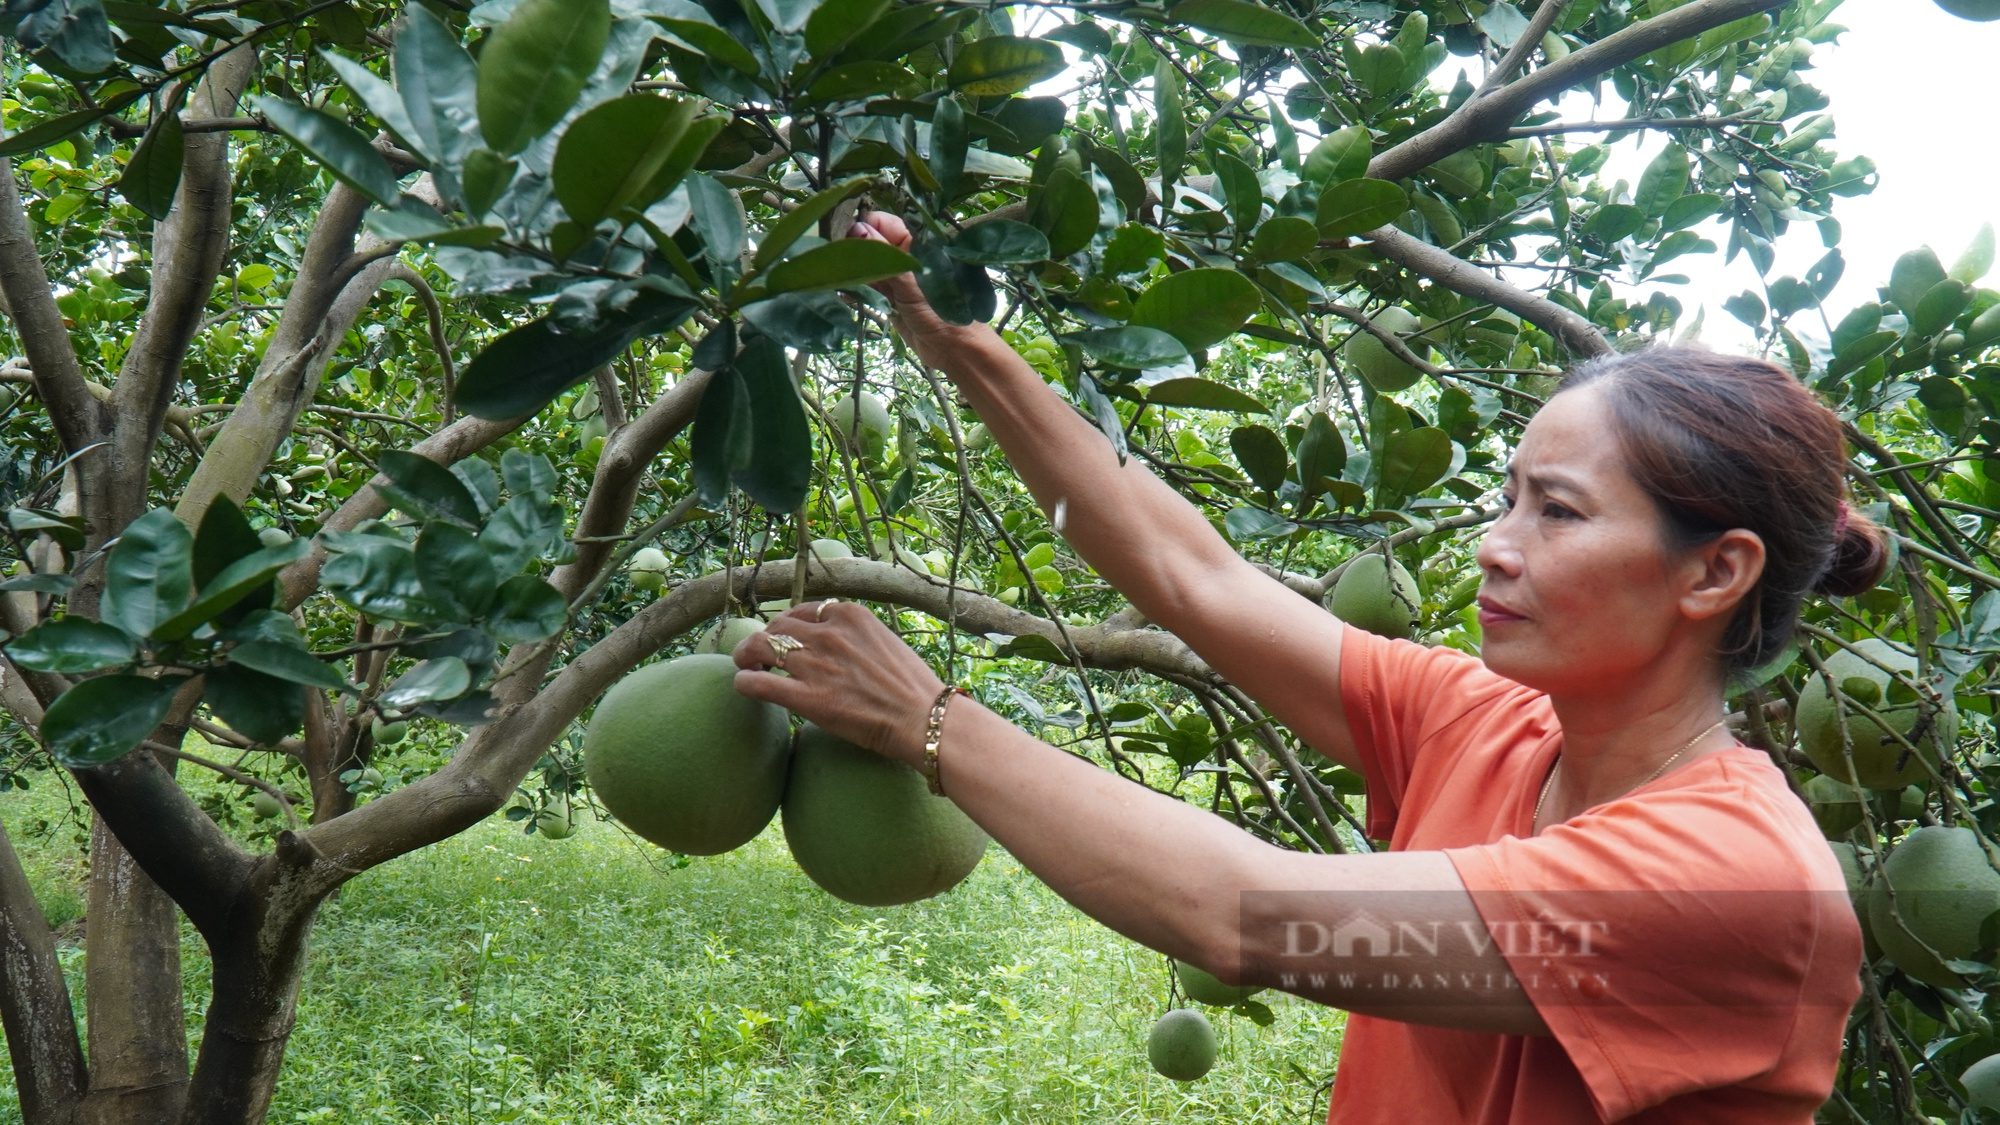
34, 1003
132, 991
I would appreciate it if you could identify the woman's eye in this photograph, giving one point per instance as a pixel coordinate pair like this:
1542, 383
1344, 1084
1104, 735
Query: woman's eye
1506, 501
1556, 511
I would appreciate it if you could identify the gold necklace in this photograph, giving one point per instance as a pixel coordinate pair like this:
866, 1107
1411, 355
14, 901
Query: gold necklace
1550, 781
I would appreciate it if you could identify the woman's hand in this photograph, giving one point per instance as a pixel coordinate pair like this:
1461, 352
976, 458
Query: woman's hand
852, 676
934, 339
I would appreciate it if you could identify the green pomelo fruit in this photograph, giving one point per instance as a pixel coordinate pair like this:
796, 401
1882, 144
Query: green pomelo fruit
1877, 752
872, 439
1850, 869
1978, 11
683, 760
1205, 989
389, 734
727, 634
1378, 595
1944, 888
830, 549
1836, 805
868, 830
554, 821
274, 537
1377, 365
264, 806
1982, 1083
649, 568
976, 436
1182, 1045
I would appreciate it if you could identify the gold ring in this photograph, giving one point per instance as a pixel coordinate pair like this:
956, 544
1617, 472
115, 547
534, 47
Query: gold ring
820, 614
781, 647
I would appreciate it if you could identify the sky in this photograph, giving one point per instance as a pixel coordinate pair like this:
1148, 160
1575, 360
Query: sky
1909, 88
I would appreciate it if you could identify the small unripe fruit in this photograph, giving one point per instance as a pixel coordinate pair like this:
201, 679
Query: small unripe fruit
1182, 1045
274, 537
264, 806
649, 568
389, 734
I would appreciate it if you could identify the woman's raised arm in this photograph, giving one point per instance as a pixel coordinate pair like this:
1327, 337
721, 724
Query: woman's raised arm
1152, 545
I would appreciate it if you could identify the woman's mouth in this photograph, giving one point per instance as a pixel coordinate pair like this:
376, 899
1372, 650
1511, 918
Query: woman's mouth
1494, 612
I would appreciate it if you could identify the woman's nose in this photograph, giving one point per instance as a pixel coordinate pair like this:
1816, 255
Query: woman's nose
1497, 549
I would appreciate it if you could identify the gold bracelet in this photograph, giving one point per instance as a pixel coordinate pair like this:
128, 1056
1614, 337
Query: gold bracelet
934, 734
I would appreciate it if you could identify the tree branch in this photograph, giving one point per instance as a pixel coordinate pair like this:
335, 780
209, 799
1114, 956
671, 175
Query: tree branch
31, 302
1574, 332
35, 1007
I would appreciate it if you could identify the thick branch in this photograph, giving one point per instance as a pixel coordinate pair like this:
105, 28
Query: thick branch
31, 302
1575, 333
615, 486
35, 1007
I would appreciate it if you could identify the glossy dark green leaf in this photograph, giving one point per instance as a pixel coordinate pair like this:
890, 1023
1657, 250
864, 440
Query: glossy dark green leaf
525, 368
1340, 156
1615, 222
1201, 307
835, 24
1200, 394
1132, 248
1090, 38
101, 720
1241, 193
1263, 455
533, 67
1413, 460
56, 584
523, 530
262, 708
1691, 209
1031, 121
248, 578
619, 154
1132, 346
65, 530
478, 477
1170, 130
948, 145
444, 677
526, 609
803, 220
720, 446
900, 492
289, 662
942, 280
224, 536
1003, 64
339, 147
377, 576
484, 179
708, 39
1914, 274
1747, 307
841, 264
456, 571
528, 474
999, 242
75, 31
780, 464
1240, 21
717, 216
153, 174
422, 487
788, 16
1939, 307
72, 644
1322, 451
857, 81
1284, 238
1358, 206
439, 85
148, 575
1857, 354
1663, 182
1066, 209
1246, 523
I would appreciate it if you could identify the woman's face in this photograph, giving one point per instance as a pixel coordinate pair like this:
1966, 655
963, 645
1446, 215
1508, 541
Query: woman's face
1579, 590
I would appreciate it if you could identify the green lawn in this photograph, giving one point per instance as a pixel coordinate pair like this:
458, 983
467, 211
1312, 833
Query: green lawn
504, 977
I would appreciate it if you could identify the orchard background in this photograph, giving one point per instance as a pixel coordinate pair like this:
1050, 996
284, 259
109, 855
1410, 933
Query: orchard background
359, 349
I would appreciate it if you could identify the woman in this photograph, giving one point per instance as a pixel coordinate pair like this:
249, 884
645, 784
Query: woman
1596, 905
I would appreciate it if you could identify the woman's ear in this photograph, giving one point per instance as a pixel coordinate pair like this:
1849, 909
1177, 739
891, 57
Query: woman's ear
1725, 571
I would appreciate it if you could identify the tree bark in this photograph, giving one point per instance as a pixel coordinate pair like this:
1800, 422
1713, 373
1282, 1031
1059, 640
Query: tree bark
132, 991
35, 1010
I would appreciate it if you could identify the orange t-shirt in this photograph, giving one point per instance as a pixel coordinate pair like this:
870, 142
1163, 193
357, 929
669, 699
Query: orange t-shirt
1729, 962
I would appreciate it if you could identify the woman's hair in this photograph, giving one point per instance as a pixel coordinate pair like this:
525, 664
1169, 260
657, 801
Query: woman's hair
1722, 442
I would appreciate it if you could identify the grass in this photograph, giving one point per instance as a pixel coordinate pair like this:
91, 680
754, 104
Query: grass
503, 977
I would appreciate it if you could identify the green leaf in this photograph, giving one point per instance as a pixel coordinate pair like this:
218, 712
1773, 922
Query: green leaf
1358, 206
484, 179
1132, 248
72, 644
57, 584
720, 446
439, 85
1664, 181
948, 147
1170, 127
1380, 68
788, 16
522, 530
836, 23
1131, 347
620, 154
999, 242
1914, 275
443, 677
1200, 394
1285, 138
527, 609
223, 537
378, 576
1939, 307
101, 720
1245, 523
1691, 209
841, 264
1242, 22
455, 570
1066, 209
1615, 222
378, 96
1322, 451
1200, 307
804, 219
717, 216
148, 576
75, 31
857, 81
1003, 64
1413, 460
1284, 238
707, 39
422, 487
1857, 354
1242, 194
1977, 259
1341, 156
237, 584
335, 145
1262, 455
780, 463
65, 530
153, 174
264, 709
289, 662
524, 369
533, 67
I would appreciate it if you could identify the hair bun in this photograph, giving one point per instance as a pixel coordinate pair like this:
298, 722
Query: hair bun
1860, 556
